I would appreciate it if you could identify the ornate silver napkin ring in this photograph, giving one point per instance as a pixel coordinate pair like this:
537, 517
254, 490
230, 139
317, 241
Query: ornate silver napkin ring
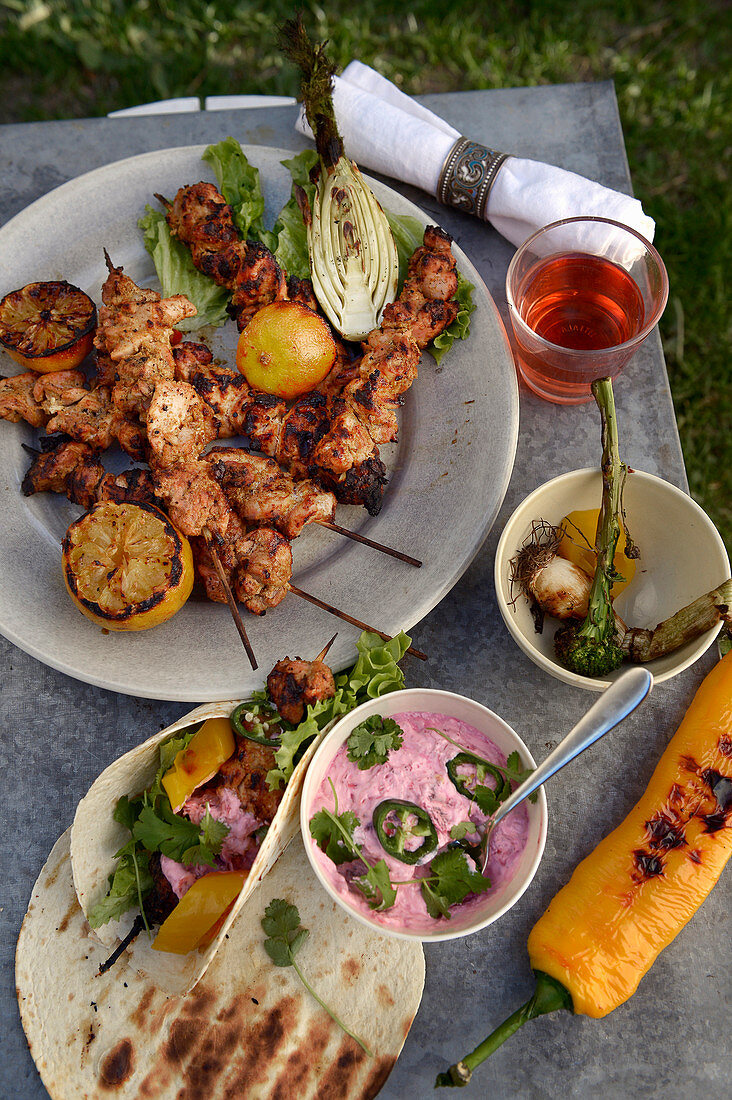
468, 174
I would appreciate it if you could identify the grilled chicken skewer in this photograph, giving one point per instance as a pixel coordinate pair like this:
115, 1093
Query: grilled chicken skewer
200, 217
263, 493
259, 560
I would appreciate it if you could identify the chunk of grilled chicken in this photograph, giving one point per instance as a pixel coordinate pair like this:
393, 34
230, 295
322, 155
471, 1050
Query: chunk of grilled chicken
246, 773
225, 391
263, 494
135, 327
293, 684
35, 398
62, 404
201, 218
75, 469
426, 303
179, 424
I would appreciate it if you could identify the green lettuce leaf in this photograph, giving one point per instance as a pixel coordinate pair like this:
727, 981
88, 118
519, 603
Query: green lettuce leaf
177, 274
292, 240
238, 182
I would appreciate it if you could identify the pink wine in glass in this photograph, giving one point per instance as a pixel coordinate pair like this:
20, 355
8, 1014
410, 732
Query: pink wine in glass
580, 302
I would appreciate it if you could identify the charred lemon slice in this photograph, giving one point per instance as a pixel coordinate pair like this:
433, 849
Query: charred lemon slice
286, 349
47, 326
126, 566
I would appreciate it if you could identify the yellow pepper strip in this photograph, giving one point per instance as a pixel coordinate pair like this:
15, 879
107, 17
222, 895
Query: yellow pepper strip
196, 764
574, 548
629, 898
198, 909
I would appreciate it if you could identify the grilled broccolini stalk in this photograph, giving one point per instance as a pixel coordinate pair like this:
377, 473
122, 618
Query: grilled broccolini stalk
353, 258
593, 648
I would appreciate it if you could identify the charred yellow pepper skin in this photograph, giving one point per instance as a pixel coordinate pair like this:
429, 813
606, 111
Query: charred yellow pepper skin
199, 762
627, 900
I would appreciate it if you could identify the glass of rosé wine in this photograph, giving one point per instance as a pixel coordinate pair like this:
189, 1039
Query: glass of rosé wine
583, 294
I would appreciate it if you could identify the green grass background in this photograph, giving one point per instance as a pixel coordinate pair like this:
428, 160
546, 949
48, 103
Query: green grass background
670, 60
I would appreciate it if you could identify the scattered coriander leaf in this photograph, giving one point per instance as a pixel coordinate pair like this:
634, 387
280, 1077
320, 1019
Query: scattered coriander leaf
376, 886
285, 937
128, 885
333, 833
449, 882
462, 829
371, 742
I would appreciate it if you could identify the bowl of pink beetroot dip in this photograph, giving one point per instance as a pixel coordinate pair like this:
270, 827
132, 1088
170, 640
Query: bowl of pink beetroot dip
393, 808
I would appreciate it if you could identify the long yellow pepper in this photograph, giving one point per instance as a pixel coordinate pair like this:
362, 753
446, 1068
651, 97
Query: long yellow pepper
627, 900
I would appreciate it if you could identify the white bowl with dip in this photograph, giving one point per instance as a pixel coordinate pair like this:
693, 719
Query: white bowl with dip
682, 557
520, 846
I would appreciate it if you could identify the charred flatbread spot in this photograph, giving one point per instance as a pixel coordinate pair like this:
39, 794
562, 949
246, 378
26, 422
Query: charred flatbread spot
73, 908
181, 1041
336, 1081
350, 969
301, 1064
198, 1003
384, 996
234, 1011
377, 1078
138, 1016
117, 1065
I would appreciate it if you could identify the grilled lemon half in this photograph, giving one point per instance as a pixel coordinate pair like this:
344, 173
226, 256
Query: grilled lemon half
126, 566
47, 326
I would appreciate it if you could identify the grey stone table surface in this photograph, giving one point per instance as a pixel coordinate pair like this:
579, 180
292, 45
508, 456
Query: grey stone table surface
672, 1040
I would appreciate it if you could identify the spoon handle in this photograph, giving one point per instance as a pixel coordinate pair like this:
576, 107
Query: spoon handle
615, 703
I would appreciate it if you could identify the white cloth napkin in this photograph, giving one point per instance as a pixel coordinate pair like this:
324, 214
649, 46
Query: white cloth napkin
387, 131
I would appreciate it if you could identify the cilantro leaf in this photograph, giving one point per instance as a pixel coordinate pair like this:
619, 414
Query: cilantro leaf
463, 829
285, 937
333, 833
128, 884
449, 882
517, 774
371, 742
376, 886
281, 922
175, 836
487, 799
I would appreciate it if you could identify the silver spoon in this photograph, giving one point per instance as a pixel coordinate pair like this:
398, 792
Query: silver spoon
615, 704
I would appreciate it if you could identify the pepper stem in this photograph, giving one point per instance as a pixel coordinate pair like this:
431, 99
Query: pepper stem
549, 996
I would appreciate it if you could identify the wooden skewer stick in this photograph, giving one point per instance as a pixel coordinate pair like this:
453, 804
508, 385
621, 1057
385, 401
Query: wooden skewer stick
370, 542
137, 927
229, 596
350, 619
324, 652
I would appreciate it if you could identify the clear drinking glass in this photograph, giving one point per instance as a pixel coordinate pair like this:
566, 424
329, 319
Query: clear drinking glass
583, 294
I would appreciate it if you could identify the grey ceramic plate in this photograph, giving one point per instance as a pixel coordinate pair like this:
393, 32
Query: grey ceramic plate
447, 474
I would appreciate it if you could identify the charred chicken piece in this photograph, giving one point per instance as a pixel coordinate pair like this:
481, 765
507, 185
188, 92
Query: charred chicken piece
35, 398
246, 773
201, 218
263, 494
135, 327
179, 424
225, 391
162, 899
293, 684
74, 469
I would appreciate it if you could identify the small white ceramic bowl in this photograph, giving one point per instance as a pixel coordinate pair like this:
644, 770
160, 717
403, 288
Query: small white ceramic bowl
490, 906
682, 557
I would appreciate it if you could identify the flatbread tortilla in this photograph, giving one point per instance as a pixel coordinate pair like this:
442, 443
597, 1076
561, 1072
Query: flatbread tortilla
249, 1030
96, 836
